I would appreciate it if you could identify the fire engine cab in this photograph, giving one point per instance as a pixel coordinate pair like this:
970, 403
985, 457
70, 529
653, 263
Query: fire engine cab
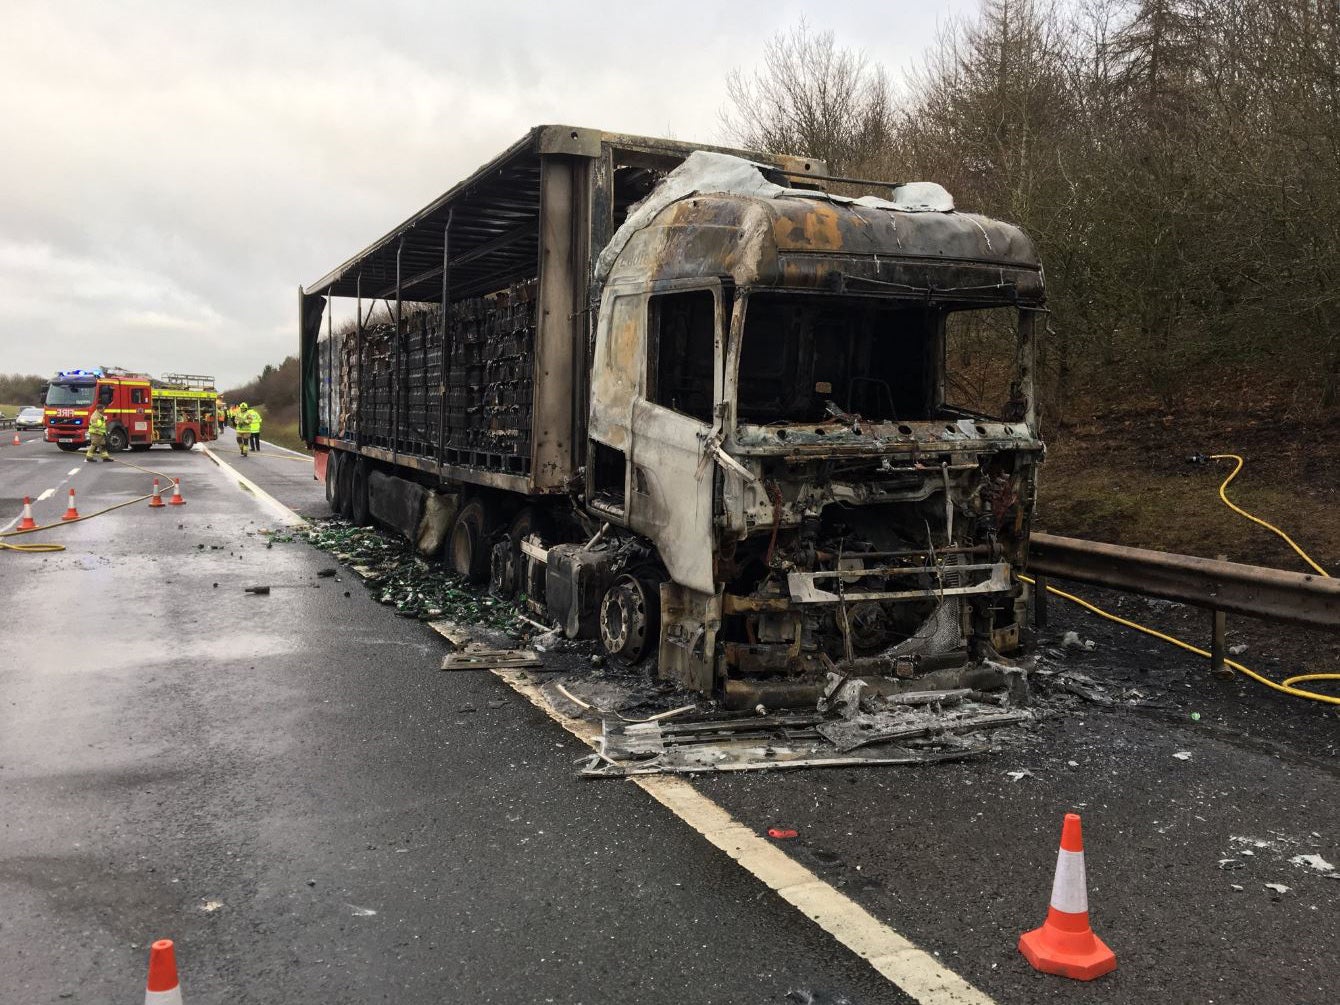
179, 409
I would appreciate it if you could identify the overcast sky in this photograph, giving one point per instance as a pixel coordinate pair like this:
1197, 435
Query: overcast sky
172, 171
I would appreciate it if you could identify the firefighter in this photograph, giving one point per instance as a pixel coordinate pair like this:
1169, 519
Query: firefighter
254, 418
242, 427
97, 436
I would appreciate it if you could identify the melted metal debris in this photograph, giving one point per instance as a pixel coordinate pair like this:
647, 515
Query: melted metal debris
858, 727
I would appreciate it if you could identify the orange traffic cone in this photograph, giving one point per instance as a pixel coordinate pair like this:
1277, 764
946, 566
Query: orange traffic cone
176, 499
162, 987
17, 441
26, 522
71, 513
156, 499
1065, 944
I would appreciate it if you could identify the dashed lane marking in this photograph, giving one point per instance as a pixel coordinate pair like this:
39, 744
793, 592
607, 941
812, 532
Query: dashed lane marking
72, 472
893, 955
46, 494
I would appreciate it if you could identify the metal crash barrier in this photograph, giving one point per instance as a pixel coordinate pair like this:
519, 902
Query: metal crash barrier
1217, 586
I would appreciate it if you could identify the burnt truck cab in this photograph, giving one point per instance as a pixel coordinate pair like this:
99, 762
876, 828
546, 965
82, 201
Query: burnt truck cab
771, 409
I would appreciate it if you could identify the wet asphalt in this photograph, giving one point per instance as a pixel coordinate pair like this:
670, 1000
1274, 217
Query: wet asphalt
289, 788
255, 776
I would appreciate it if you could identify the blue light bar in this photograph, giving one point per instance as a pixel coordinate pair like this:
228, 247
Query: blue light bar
76, 374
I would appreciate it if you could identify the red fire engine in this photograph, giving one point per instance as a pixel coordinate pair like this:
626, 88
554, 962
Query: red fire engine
181, 409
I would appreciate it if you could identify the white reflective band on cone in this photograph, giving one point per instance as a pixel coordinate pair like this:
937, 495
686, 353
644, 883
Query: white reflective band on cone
1068, 888
172, 997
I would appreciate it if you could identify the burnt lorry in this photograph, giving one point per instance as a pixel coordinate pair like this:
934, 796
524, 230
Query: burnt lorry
691, 402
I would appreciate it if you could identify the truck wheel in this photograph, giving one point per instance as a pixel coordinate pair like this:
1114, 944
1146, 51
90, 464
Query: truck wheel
506, 559
630, 619
347, 488
117, 439
360, 510
468, 549
333, 496
187, 439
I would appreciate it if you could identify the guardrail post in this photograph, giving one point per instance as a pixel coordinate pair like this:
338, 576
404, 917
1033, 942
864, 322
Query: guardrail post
1217, 647
1040, 603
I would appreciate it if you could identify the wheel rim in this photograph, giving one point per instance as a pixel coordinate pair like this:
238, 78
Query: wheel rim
629, 619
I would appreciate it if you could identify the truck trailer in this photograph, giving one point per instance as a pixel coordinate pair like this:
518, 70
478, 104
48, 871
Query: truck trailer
692, 402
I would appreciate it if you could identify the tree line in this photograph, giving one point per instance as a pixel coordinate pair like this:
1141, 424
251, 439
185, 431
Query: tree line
22, 388
1176, 161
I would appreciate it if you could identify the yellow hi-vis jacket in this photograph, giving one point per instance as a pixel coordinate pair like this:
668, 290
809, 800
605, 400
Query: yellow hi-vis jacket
249, 421
97, 424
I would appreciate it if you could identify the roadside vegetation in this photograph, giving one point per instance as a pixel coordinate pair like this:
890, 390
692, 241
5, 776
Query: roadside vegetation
20, 389
274, 393
1178, 164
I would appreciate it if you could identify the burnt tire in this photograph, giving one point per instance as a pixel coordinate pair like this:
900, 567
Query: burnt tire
360, 505
468, 547
346, 484
507, 564
630, 619
333, 495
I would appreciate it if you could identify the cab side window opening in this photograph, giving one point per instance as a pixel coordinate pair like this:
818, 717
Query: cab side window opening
137, 395
105, 394
980, 363
682, 337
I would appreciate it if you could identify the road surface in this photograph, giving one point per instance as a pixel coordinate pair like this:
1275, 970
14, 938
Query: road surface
286, 786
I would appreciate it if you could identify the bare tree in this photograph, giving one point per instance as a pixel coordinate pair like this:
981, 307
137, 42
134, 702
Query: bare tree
811, 96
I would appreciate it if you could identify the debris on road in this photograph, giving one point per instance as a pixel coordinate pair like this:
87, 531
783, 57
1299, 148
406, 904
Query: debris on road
490, 659
1183, 755
399, 578
1314, 862
1279, 888
782, 833
260, 591
857, 726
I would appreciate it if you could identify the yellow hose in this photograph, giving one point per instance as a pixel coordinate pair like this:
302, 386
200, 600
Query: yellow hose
1256, 519
45, 546
1286, 686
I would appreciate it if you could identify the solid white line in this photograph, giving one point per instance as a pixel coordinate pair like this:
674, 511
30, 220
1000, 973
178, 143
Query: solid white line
46, 495
288, 450
285, 515
897, 958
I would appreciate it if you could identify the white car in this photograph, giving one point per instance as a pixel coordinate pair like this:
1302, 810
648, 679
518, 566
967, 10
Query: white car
29, 418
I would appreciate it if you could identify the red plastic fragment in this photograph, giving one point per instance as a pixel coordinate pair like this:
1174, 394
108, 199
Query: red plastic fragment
782, 833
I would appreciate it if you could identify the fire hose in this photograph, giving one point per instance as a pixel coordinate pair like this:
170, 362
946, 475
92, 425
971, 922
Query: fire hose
1287, 686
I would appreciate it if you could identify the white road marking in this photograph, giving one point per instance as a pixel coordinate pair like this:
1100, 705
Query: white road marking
287, 516
47, 494
72, 472
896, 957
